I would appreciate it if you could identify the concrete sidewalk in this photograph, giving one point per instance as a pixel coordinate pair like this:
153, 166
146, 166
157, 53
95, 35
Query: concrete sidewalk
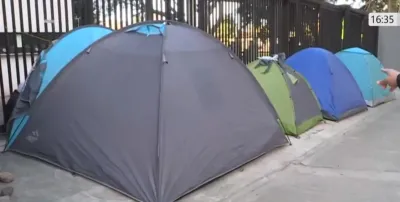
359, 166
354, 160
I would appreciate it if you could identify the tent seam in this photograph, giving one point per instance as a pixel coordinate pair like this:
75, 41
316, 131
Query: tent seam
157, 181
370, 79
290, 95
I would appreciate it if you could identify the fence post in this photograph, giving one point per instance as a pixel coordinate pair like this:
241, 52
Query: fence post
352, 28
201, 8
330, 27
149, 9
180, 10
297, 25
284, 28
82, 12
369, 40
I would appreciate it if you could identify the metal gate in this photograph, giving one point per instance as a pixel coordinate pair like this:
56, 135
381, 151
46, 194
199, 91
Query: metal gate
251, 28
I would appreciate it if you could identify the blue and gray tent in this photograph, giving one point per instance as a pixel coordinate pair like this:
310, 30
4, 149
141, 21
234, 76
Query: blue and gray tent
154, 111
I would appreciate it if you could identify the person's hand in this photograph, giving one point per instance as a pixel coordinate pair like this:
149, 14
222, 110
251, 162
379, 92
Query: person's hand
390, 80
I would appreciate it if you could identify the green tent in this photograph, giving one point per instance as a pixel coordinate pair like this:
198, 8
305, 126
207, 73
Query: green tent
290, 94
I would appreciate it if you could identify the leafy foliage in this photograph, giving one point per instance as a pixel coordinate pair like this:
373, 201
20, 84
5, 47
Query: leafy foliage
375, 5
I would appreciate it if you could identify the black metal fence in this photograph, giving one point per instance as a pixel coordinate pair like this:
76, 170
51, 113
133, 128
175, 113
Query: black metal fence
249, 27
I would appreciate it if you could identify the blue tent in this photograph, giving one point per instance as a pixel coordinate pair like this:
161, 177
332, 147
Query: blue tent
49, 63
366, 70
333, 84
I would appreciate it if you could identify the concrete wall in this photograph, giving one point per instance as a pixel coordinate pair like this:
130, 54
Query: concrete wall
389, 47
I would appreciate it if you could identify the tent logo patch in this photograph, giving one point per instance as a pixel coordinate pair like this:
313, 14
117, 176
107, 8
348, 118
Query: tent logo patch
33, 137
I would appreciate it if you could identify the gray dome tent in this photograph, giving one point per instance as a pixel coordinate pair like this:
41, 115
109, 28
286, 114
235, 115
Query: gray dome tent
153, 111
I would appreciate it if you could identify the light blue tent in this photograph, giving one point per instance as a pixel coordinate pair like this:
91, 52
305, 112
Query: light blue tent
366, 69
333, 84
49, 63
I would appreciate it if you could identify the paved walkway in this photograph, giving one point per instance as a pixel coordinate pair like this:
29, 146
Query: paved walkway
356, 160
361, 166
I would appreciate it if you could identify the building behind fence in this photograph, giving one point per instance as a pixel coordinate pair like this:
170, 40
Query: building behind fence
251, 28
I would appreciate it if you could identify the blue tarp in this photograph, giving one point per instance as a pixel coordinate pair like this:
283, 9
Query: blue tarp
333, 84
57, 57
366, 69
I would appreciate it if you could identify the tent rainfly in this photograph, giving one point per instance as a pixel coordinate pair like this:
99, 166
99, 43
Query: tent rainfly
148, 111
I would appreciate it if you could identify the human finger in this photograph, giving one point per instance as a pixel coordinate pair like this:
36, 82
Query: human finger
382, 83
385, 70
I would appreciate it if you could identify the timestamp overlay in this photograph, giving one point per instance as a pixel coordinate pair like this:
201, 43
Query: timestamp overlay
384, 19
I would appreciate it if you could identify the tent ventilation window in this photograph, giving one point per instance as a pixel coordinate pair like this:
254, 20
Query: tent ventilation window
153, 29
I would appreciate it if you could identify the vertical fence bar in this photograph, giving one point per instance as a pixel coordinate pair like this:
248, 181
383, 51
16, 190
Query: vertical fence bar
103, 12
226, 23
126, 13
253, 24
196, 14
53, 31
353, 27
180, 10
208, 17
97, 12
3, 97
7, 46
240, 41
330, 34
201, 7
46, 17
284, 29
272, 36
246, 36
14, 36
370, 37
2, 89
114, 3
109, 9
168, 9
121, 10
30, 32
60, 31
38, 43
149, 9
131, 13
230, 27
22, 31
66, 15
